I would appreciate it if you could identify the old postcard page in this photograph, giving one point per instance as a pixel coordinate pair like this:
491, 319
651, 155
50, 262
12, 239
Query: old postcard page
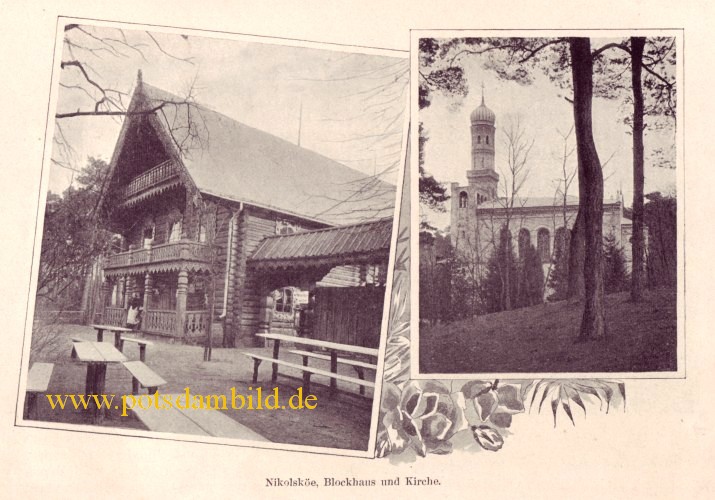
472, 433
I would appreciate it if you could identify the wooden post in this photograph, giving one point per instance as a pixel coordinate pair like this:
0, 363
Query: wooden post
89, 379
276, 348
99, 384
103, 294
148, 285
265, 315
333, 369
123, 288
181, 289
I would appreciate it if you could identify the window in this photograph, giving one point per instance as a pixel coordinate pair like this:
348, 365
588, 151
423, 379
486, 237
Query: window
543, 244
202, 232
524, 241
148, 234
487, 138
463, 200
284, 300
479, 139
175, 231
285, 227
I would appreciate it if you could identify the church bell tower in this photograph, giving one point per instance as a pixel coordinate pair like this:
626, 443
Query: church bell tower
483, 178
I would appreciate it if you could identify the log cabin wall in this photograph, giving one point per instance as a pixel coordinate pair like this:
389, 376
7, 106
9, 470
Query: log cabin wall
349, 315
254, 225
342, 276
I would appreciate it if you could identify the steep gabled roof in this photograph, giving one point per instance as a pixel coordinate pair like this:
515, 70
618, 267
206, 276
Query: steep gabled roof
228, 159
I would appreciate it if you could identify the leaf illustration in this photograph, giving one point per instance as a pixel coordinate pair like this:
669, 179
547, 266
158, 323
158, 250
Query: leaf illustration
547, 389
554, 407
590, 390
486, 404
576, 398
622, 390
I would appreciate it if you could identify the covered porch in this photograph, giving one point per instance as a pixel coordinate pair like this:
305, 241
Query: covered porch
175, 298
327, 284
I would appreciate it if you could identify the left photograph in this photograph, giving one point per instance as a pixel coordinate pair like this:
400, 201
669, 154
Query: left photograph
214, 237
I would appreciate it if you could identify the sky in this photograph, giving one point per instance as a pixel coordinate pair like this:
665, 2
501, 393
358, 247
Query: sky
348, 106
545, 115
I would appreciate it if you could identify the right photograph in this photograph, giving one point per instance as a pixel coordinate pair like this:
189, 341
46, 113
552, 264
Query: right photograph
547, 213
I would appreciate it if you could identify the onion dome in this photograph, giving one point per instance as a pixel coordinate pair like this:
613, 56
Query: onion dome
483, 114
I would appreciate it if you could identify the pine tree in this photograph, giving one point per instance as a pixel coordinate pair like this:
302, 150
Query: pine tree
559, 277
615, 276
493, 287
531, 278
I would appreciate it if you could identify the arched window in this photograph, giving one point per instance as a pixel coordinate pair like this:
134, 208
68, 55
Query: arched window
487, 138
543, 245
479, 139
463, 200
524, 241
284, 300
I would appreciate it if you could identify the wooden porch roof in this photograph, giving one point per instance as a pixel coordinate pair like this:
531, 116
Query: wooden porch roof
368, 242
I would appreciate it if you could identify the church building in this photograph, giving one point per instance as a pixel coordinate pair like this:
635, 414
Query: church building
478, 212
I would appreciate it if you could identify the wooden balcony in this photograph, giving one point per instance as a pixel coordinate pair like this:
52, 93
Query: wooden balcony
161, 257
156, 179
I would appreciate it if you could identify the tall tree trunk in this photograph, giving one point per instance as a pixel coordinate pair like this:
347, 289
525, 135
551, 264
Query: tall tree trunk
507, 270
577, 251
590, 178
637, 45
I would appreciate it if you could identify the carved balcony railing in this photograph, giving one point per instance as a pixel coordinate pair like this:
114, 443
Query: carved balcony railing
184, 250
196, 324
162, 322
153, 177
116, 316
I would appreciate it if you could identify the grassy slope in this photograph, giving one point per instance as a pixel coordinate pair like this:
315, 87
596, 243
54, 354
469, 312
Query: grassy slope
641, 337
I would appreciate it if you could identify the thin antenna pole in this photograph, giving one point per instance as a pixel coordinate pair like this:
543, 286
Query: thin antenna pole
300, 121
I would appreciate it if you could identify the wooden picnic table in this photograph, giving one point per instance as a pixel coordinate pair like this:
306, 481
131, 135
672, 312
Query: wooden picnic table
332, 347
97, 355
202, 422
118, 330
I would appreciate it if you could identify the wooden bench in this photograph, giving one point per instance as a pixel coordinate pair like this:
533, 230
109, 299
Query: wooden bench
140, 342
202, 422
142, 374
38, 380
359, 366
307, 371
73, 353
